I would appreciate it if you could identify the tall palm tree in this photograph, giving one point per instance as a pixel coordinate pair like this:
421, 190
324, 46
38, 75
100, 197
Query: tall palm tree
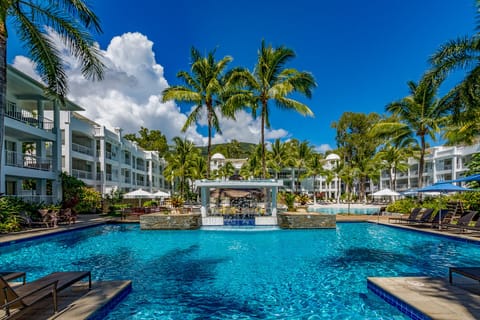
420, 114
204, 87
272, 81
462, 53
73, 20
278, 157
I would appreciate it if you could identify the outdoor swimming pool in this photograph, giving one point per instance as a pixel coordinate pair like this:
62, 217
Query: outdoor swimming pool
287, 274
336, 210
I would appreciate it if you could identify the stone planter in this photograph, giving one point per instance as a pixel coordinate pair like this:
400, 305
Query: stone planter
306, 220
161, 221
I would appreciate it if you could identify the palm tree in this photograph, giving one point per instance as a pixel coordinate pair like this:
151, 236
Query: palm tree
204, 87
252, 168
420, 114
278, 157
394, 158
302, 152
73, 20
315, 168
180, 162
272, 81
462, 53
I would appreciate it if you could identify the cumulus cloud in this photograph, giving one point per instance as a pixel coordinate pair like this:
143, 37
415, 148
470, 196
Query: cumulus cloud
27, 66
129, 96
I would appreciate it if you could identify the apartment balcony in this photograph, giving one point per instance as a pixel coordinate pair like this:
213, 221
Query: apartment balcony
82, 149
127, 180
81, 174
35, 198
140, 167
21, 160
27, 117
110, 155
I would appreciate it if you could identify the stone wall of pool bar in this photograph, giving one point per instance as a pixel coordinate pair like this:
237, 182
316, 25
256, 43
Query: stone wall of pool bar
309, 220
161, 221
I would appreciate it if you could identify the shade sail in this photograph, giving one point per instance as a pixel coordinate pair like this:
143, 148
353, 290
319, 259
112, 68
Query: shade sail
443, 188
385, 193
474, 177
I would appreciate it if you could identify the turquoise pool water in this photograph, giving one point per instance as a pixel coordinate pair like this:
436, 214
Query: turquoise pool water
334, 210
298, 274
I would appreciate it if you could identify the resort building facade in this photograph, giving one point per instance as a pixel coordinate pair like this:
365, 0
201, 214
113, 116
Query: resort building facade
106, 161
441, 163
44, 138
31, 161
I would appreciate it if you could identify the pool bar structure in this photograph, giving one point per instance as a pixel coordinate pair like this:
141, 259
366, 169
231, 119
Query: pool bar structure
246, 213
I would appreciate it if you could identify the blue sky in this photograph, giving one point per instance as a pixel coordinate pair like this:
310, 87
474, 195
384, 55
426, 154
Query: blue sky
361, 53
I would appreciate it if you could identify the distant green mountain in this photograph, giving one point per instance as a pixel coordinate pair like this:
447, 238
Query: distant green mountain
229, 150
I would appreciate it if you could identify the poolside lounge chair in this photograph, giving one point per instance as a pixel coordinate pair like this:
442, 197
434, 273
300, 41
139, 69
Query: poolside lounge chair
463, 222
413, 215
32, 292
11, 275
426, 216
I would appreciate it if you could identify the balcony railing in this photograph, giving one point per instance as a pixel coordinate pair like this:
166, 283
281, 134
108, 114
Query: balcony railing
81, 174
21, 160
82, 149
35, 198
27, 117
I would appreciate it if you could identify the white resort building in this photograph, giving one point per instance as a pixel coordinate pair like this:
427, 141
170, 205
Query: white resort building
44, 138
441, 163
106, 161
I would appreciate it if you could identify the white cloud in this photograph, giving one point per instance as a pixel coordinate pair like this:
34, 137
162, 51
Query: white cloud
27, 66
323, 148
129, 96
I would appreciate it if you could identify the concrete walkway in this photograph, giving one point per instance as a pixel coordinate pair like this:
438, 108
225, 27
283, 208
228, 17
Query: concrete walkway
82, 222
434, 297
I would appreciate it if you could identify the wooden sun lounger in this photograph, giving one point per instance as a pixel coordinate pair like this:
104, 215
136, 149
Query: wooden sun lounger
22, 297
10, 276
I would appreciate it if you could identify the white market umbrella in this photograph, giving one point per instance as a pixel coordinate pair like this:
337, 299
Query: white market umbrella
385, 193
161, 194
138, 194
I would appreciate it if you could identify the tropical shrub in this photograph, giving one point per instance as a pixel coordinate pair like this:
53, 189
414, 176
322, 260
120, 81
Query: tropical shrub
303, 199
177, 201
9, 209
89, 201
289, 199
402, 206
150, 203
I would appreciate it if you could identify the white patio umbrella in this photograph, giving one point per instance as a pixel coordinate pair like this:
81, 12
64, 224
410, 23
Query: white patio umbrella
385, 193
138, 194
161, 194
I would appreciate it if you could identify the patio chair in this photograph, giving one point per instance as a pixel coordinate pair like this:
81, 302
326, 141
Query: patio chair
413, 215
463, 222
30, 293
67, 215
426, 216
